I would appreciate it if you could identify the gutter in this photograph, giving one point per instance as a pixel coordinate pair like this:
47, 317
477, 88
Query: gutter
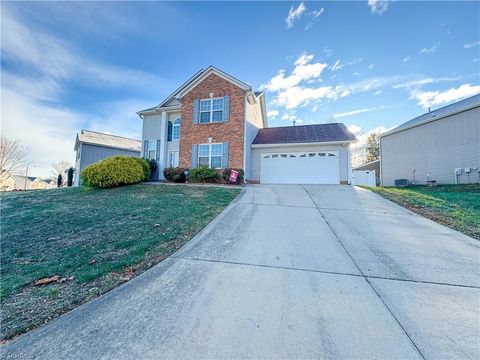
345, 142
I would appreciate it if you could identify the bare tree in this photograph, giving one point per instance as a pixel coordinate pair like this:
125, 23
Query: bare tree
12, 156
60, 168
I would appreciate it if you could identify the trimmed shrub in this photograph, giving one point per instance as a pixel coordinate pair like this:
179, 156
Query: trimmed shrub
70, 176
174, 174
113, 171
153, 165
226, 174
145, 167
203, 174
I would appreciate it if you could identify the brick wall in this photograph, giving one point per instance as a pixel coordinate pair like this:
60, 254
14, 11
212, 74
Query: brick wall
231, 131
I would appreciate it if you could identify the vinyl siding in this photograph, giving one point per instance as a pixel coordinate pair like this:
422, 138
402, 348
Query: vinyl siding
152, 126
343, 157
93, 153
253, 122
435, 148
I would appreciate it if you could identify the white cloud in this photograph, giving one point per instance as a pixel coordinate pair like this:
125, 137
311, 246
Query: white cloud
304, 70
429, 50
317, 13
378, 7
295, 14
351, 113
53, 58
313, 15
407, 59
328, 51
356, 61
358, 149
289, 117
360, 111
471, 45
427, 99
31, 109
272, 114
295, 96
377, 92
355, 129
421, 82
371, 66
336, 66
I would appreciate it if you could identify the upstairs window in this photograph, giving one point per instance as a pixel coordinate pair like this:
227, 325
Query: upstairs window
176, 129
211, 110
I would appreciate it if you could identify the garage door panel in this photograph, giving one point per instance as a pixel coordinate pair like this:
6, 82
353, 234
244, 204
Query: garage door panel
311, 167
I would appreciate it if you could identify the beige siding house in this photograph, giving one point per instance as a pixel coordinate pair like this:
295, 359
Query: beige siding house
442, 145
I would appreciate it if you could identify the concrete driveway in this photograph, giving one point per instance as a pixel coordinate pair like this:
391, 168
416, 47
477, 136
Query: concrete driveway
289, 272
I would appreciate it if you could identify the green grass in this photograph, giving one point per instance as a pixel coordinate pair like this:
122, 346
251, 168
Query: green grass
457, 206
98, 237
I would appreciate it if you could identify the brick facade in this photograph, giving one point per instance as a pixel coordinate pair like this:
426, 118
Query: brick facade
231, 131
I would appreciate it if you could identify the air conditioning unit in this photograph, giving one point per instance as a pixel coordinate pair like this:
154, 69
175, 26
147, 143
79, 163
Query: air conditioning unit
467, 170
458, 171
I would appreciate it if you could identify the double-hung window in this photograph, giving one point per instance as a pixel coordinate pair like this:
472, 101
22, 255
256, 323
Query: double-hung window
211, 110
152, 150
176, 129
210, 155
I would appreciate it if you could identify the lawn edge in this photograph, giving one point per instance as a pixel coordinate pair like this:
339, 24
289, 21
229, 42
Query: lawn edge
169, 260
411, 211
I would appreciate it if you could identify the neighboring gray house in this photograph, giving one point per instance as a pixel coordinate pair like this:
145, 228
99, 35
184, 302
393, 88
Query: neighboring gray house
93, 146
442, 145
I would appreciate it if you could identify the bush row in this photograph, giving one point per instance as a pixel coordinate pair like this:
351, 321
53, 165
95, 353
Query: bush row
202, 174
124, 170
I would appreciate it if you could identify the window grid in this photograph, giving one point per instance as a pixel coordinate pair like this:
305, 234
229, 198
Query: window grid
210, 155
211, 110
176, 129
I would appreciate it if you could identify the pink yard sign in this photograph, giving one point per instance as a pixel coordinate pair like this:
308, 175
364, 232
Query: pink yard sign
233, 176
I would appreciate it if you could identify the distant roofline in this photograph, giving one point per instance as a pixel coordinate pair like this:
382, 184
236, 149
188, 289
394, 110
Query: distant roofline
433, 118
117, 136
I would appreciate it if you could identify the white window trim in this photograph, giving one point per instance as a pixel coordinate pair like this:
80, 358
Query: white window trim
211, 110
169, 157
210, 154
173, 128
152, 148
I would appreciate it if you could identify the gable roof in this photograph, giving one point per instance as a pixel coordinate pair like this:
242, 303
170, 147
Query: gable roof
218, 72
438, 114
335, 132
191, 83
107, 140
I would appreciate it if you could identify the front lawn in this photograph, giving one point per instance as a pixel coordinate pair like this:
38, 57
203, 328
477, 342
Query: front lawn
93, 240
456, 206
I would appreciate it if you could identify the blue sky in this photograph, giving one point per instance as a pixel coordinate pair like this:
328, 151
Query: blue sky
68, 66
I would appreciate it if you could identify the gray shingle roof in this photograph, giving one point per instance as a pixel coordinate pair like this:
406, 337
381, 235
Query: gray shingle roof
304, 134
438, 113
96, 138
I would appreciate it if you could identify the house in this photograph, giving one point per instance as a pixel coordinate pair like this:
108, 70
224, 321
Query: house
217, 120
39, 183
9, 182
441, 146
91, 146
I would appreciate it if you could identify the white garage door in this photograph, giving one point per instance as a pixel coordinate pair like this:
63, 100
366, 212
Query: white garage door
314, 167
